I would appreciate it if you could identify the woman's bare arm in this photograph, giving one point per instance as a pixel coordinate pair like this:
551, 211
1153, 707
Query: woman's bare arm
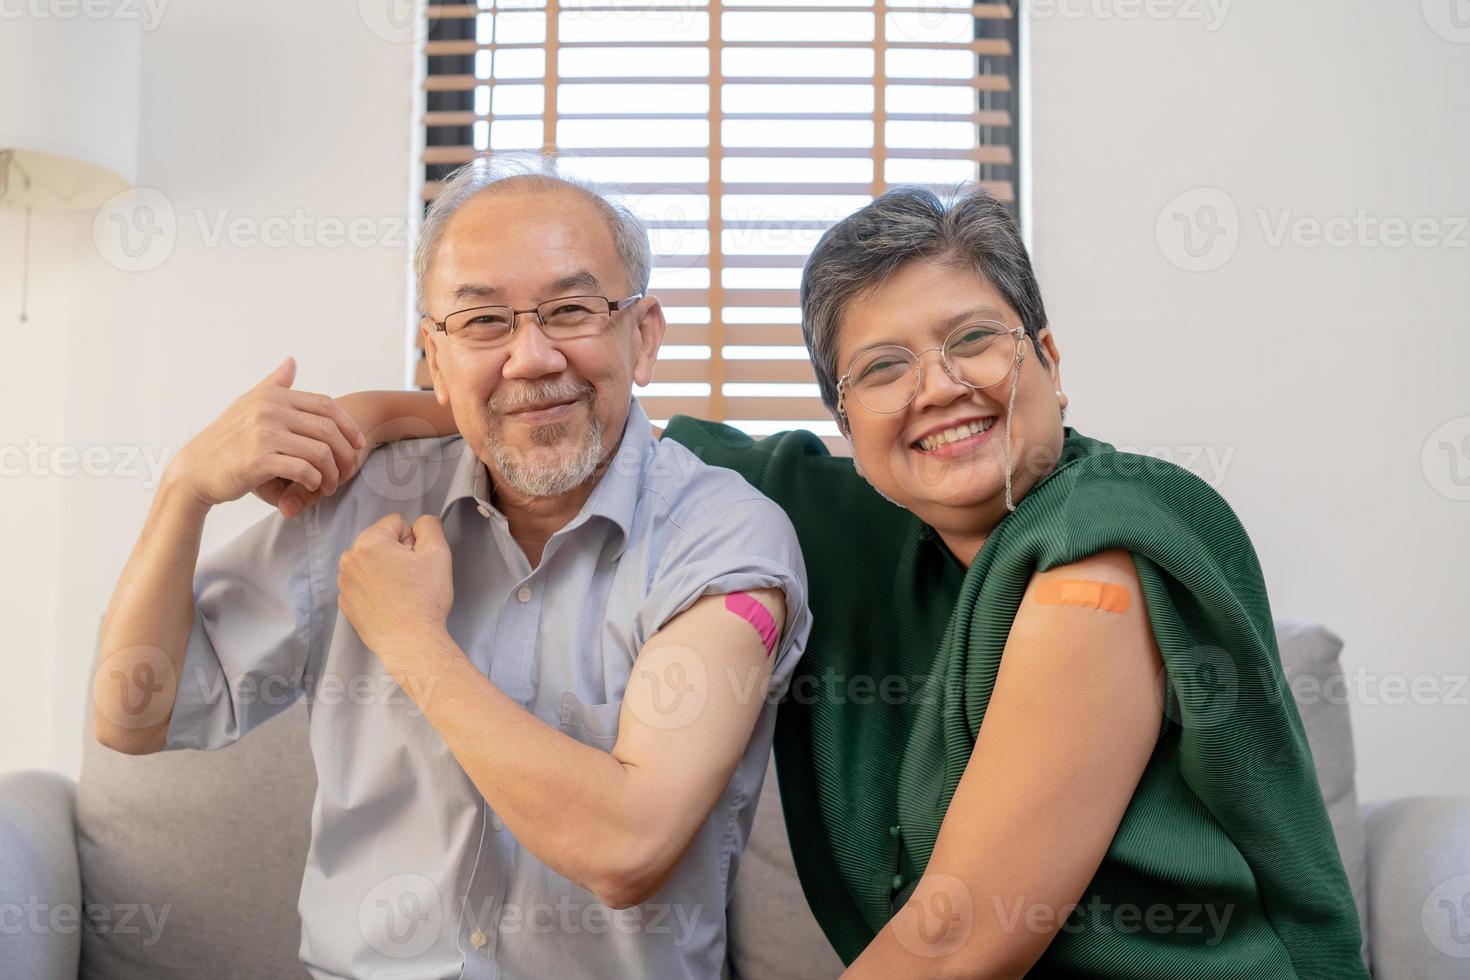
387, 416
1069, 730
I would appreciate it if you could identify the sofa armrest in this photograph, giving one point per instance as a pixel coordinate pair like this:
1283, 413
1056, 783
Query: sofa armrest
40, 883
1419, 887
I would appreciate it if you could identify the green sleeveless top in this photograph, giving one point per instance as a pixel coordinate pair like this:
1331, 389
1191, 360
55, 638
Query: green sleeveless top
1224, 864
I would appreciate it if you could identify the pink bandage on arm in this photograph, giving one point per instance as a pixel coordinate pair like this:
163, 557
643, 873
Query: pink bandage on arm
747, 608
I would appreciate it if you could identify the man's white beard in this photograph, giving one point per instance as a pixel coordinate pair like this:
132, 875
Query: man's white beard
568, 468
563, 473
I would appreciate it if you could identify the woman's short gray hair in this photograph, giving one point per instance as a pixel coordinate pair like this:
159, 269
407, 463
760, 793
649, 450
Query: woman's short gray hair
537, 171
857, 254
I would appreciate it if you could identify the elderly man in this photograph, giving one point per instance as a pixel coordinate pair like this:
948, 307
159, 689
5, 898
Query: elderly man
540, 657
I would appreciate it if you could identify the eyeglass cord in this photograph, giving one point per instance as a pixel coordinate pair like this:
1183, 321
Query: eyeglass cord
1010, 409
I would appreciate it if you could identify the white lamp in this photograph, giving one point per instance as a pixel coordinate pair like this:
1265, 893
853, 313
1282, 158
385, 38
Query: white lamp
69, 113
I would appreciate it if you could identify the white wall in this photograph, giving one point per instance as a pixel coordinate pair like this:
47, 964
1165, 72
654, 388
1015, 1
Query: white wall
32, 403
1320, 372
39, 62
292, 118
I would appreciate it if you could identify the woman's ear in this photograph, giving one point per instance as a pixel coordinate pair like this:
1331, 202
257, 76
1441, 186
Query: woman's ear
1048, 345
839, 415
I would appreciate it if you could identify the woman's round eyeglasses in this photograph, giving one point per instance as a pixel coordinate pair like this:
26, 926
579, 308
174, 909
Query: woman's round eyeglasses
886, 378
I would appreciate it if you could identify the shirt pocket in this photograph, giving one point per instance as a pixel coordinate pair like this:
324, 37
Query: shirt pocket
591, 724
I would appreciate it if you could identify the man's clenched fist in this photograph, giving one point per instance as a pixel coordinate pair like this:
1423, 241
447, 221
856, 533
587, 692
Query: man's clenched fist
396, 584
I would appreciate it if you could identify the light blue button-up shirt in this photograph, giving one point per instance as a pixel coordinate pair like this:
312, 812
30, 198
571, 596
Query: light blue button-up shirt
410, 873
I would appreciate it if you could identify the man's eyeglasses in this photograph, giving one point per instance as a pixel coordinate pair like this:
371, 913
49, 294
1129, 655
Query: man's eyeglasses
563, 318
885, 379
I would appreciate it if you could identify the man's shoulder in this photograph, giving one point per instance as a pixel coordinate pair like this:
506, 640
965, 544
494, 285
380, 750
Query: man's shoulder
675, 473
409, 477
444, 448
691, 491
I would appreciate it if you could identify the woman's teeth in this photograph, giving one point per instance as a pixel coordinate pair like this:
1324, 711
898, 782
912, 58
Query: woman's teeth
933, 442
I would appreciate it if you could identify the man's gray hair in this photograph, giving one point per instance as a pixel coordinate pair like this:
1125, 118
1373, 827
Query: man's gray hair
856, 255
538, 172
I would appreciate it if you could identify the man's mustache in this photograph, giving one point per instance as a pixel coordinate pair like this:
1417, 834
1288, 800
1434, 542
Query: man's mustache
537, 393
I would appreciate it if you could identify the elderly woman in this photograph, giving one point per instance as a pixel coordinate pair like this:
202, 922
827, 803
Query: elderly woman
1041, 722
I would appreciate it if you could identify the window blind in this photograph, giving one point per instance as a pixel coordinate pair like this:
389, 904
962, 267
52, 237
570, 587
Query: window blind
740, 130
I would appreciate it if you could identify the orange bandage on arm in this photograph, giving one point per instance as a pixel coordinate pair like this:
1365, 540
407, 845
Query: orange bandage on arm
1083, 592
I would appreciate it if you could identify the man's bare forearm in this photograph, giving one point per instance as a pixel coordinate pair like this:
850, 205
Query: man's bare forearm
151, 613
574, 807
616, 822
270, 437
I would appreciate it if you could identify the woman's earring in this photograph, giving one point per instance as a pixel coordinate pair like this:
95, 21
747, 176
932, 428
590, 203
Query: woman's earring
1059, 392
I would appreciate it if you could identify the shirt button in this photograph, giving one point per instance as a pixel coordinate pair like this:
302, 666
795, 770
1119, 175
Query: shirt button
496, 822
484, 511
893, 831
897, 882
478, 939
524, 593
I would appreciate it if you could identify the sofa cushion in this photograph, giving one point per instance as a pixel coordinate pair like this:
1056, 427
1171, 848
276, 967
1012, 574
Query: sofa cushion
1310, 659
773, 935
1419, 862
41, 910
202, 851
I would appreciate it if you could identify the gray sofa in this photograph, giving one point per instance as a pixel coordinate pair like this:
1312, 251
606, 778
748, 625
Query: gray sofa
187, 864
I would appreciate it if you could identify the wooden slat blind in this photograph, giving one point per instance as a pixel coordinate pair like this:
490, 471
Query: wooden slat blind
740, 130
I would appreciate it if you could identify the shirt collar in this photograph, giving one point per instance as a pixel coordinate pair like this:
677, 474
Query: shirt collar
470, 480
615, 498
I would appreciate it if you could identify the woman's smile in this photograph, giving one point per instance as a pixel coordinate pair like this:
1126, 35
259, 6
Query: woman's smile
955, 440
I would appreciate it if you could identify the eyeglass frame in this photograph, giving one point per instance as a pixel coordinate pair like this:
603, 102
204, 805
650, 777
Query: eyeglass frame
1018, 332
515, 314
